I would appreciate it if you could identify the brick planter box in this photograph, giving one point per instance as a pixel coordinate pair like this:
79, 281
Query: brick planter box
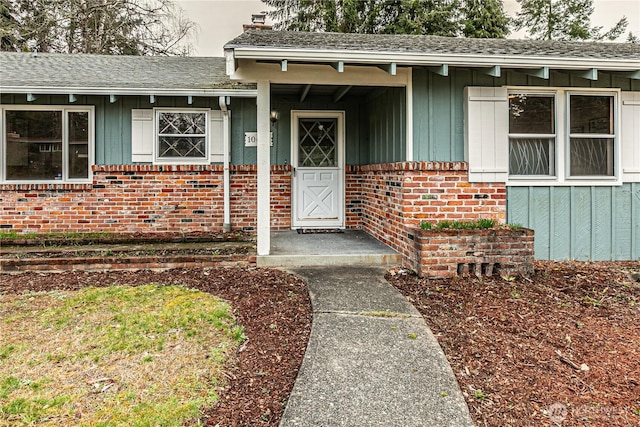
486, 252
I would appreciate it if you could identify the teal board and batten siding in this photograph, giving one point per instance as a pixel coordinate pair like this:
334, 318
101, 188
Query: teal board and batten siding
582, 223
579, 223
438, 104
113, 120
281, 130
387, 117
244, 119
375, 123
375, 126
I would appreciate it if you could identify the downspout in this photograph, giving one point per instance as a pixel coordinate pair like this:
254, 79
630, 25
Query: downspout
226, 157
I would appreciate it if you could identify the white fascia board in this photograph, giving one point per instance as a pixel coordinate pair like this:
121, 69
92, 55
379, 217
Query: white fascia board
310, 73
242, 93
460, 60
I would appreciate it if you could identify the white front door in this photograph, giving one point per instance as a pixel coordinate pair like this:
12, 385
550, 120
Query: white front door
318, 169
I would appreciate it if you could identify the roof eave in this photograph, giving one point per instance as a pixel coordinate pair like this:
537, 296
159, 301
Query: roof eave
65, 90
427, 59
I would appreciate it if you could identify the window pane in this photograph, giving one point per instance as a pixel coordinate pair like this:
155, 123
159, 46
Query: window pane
78, 145
591, 114
34, 145
177, 146
182, 123
531, 114
531, 156
591, 156
317, 146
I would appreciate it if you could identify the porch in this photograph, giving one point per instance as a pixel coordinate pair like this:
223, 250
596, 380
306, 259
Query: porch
350, 247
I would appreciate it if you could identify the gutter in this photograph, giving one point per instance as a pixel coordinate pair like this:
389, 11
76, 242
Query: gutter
425, 59
51, 90
226, 157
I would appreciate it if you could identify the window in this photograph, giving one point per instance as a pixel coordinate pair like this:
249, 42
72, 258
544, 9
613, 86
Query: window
532, 134
47, 144
529, 136
181, 135
317, 146
178, 136
591, 135
561, 134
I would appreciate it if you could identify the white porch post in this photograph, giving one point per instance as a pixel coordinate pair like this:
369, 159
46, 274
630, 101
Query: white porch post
409, 121
264, 168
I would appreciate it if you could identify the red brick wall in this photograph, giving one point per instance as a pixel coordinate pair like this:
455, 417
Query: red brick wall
353, 199
144, 198
397, 196
446, 253
244, 191
385, 200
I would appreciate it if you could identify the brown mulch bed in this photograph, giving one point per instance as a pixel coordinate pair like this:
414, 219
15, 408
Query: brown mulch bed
563, 344
273, 307
559, 348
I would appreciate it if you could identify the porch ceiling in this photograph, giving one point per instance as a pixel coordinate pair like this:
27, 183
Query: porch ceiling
336, 92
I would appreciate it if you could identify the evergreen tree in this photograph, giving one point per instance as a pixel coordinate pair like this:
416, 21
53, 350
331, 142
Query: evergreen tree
484, 19
563, 20
120, 27
472, 18
348, 16
435, 17
8, 26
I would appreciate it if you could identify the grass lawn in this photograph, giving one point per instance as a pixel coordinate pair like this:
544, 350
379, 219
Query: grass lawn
116, 356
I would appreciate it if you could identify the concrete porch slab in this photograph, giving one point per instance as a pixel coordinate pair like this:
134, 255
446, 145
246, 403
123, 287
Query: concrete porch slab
353, 247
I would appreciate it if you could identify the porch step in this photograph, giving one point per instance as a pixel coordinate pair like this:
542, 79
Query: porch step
381, 260
104, 257
351, 247
129, 263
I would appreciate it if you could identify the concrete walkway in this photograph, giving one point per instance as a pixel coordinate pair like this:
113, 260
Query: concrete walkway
371, 359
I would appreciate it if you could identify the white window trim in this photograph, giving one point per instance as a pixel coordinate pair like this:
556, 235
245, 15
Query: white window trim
562, 142
616, 136
65, 109
554, 176
181, 160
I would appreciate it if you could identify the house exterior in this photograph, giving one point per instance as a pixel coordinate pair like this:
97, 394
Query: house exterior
322, 130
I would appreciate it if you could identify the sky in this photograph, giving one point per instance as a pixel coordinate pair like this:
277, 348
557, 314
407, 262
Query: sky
221, 20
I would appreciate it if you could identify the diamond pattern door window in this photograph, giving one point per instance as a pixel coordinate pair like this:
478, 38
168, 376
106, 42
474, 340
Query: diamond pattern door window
317, 142
182, 135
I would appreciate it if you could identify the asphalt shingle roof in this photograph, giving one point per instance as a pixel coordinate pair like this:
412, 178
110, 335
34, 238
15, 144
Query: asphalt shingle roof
422, 44
50, 70
18, 69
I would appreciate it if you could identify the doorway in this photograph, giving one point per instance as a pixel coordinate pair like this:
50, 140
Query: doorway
318, 169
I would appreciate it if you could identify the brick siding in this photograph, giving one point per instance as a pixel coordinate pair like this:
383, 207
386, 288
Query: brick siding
143, 199
446, 253
395, 197
385, 200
